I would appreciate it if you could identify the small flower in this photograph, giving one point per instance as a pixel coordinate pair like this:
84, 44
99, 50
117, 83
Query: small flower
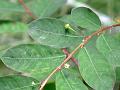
33, 83
67, 65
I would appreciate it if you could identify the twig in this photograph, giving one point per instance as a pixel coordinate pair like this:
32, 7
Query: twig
85, 41
105, 29
65, 51
27, 9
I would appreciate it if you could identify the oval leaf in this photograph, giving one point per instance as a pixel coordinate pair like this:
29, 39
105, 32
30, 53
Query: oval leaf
52, 32
95, 69
35, 60
86, 18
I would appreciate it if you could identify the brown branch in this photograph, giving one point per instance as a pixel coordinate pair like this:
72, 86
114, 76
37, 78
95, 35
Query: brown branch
105, 29
65, 51
85, 41
27, 10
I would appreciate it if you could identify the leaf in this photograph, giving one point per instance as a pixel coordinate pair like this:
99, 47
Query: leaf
95, 69
52, 32
107, 45
10, 11
15, 82
35, 60
67, 79
67, 19
80, 30
45, 8
86, 18
13, 27
7, 6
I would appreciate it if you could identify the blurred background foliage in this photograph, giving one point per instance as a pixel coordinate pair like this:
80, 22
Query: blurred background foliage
14, 20
108, 7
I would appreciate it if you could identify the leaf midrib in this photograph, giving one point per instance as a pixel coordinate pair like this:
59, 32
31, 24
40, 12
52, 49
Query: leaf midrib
35, 57
66, 80
59, 34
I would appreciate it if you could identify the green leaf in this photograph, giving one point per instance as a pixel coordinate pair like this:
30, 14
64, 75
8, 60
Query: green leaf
45, 8
95, 69
35, 60
67, 19
15, 82
52, 32
10, 11
108, 46
13, 27
6, 6
67, 79
85, 18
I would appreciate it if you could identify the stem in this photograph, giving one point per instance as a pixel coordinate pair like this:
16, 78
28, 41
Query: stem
67, 54
27, 9
85, 41
104, 29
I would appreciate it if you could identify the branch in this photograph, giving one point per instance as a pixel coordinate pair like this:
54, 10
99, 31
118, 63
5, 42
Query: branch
84, 42
67, 54
27, 10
